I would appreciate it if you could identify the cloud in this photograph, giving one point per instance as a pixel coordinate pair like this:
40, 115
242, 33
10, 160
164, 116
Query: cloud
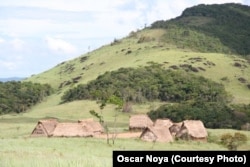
2, 40
60, 46
25, 27
65, 5
17, 44
8, 65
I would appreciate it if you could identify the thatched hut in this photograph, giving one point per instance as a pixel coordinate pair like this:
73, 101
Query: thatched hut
156, 134
139, 122
92, 126
175, 128
193, 130
72, 130
163, 123
44, 128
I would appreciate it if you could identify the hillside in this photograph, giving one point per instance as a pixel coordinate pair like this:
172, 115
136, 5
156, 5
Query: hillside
230, 70
209, 38
221, 28
194, 48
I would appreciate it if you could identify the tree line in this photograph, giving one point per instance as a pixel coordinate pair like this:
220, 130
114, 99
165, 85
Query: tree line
16, 96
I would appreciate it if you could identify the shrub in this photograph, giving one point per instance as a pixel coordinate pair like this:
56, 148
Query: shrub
233, 142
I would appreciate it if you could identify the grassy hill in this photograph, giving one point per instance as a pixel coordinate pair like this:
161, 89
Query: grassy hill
140, 48
214, 39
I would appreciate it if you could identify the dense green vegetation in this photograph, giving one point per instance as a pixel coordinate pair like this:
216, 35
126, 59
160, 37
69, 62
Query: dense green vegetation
213, 114
191, 97
148, 84
227, 25
19, 96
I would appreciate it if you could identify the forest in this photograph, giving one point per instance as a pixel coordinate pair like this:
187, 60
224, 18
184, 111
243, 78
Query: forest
17, 96
149, 83
227, 25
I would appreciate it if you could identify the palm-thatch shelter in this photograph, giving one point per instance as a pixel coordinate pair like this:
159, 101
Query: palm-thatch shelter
193, 130
92, 126
139, 122
44, 128
156, 134
163, 123
72, 130
175, 128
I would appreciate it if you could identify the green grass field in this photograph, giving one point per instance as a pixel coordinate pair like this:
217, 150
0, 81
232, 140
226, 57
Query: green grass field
18, 149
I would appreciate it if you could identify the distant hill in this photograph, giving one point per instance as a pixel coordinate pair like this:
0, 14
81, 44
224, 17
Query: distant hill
211, 28
11, 79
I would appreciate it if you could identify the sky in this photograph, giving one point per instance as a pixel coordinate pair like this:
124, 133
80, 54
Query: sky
36, 35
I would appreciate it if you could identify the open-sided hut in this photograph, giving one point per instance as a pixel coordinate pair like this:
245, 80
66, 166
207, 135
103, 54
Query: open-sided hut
139, 122
71, 130
194, 130
92, 126
156, 134
44, 128
163, 123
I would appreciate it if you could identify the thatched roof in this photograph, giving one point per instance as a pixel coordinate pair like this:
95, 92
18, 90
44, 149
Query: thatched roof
175, 127
195, 128
163, 122
86, 120
160, 134
91, 125
71, 130
49, 125
44, 127
84, 128
140, 121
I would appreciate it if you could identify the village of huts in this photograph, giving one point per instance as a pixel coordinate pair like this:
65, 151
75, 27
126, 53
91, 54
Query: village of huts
161, 130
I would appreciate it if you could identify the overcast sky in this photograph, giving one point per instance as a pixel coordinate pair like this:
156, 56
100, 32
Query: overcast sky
36, 35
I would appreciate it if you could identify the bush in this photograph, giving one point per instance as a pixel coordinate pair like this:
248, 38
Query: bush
233, 142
